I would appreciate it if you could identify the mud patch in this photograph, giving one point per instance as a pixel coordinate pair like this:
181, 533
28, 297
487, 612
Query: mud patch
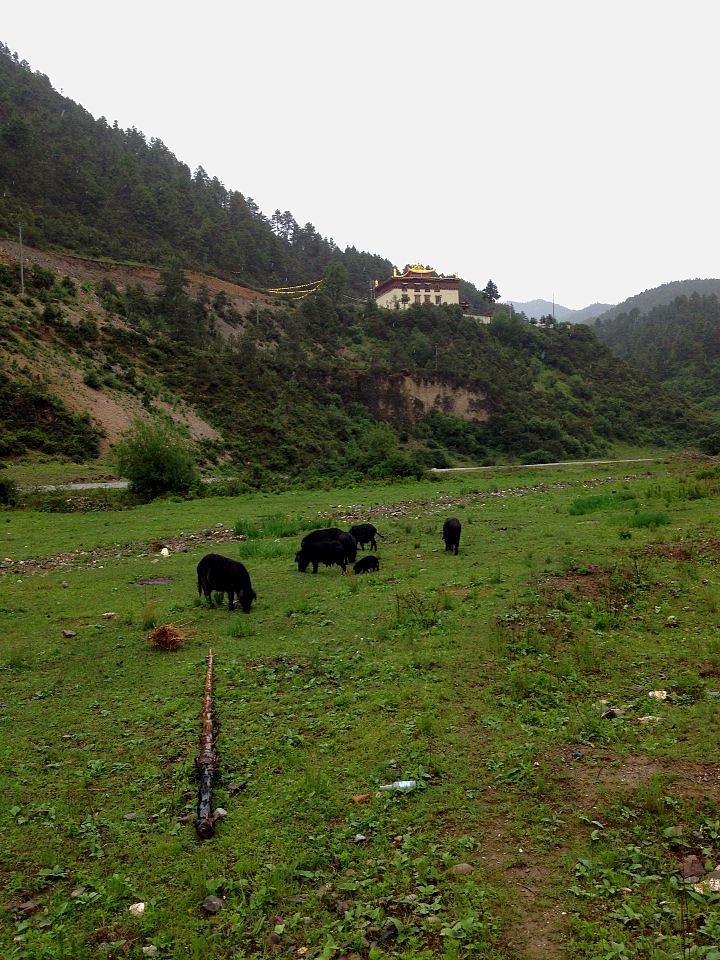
686, 550
599, 772
153, 581
590, 583
536, 927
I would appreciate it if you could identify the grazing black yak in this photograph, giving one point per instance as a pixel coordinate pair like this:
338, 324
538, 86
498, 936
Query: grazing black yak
327, 552
225, 576
331, 533
451, 534
366, 564
365, 533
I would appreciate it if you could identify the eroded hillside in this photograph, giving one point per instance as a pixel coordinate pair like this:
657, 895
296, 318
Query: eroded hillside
317, 388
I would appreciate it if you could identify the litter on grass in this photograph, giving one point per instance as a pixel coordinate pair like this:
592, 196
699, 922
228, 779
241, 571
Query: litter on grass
401, 786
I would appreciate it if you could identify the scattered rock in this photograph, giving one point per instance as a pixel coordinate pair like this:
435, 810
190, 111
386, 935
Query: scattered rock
77, 892
360, 797
388, 932
658, 694
611, 713
579, 754
137, 909
359, 838
342, 907
64, 584
130, 816
649, 719
236, 786
709, 884
150, 951
692, 866
26, 907
164, 552
220, 812
69, 633
212, 905
461, 869
109, 615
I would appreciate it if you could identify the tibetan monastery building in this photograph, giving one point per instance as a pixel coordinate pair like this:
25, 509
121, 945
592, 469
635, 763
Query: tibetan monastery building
418, 284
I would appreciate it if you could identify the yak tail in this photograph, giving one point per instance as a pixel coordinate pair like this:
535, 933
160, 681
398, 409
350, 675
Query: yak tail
378, 534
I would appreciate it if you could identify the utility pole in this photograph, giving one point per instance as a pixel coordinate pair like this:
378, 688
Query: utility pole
22, 269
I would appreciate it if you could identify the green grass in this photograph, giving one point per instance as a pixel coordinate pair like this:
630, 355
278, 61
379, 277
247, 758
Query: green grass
475, 675
38, 471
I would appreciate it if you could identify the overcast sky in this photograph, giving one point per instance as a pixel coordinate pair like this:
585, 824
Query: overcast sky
565, 148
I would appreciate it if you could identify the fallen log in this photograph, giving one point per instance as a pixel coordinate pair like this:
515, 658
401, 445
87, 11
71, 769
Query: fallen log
207, 760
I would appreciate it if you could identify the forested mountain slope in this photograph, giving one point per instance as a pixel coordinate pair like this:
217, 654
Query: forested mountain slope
82, 185
316, 388
659, 296
326, 387
678, 343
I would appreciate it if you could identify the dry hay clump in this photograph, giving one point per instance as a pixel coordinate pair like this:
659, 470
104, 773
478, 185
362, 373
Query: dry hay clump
167, 637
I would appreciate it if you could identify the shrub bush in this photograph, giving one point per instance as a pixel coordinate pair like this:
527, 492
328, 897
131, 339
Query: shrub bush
156, 460
8, 491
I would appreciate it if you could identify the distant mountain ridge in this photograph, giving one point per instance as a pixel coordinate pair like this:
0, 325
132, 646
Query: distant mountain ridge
660, 296
534, 309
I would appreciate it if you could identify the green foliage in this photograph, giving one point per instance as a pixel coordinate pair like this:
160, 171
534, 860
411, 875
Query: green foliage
103, 191
677, 343
8, 490
155, 460
583, 505
34, 419
649, 520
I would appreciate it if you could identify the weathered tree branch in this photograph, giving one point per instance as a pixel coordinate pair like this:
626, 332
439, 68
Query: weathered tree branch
207, 761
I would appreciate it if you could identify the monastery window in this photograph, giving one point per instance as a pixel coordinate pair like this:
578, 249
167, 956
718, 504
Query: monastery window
438, 298
417, 298
427, 298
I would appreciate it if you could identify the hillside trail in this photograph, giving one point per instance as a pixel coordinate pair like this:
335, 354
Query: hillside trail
120, 484
555, 463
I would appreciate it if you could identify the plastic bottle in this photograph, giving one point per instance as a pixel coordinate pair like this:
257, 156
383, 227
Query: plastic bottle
402, 786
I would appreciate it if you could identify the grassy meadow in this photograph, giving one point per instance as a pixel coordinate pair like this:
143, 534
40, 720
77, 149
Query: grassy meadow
557, 803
